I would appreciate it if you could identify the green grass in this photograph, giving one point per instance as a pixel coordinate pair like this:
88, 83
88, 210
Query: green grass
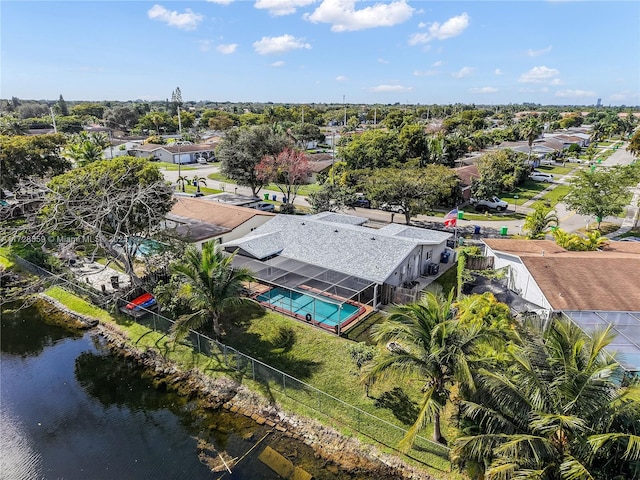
173, 167
635, 232
525, 192
192, 189
555, 169
304, 190
553, 197
316, 357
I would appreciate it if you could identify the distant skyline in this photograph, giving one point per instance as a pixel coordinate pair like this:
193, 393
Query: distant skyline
324, 51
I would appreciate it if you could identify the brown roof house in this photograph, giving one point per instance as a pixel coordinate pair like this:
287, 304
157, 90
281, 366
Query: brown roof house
201, 220
593, 289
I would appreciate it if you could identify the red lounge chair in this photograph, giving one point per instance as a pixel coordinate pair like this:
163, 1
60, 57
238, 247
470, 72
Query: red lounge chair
139, 301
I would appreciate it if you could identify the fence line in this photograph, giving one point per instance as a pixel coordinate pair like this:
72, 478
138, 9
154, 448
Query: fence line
324, 403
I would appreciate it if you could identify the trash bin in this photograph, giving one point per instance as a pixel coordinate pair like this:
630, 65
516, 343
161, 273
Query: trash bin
444, 257
504, 230
460, 215
266, 196
284, 199
273, 197
476, 230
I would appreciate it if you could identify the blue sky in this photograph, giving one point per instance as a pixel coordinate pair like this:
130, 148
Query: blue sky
323, 51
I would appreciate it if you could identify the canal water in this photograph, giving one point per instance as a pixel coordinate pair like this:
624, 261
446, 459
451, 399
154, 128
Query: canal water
71, 410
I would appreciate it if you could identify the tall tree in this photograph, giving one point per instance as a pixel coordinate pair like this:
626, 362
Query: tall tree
530, 131
371, 149
242, 149
599, 193
427, 340
22, 157
289, 169
112, 204
556, 411
61, 107
212, 286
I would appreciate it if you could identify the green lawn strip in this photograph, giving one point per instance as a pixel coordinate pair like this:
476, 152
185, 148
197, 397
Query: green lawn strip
304, 190
556, 170
635, 232
317, 358
205, 190
525, 192
173, 167
553, 197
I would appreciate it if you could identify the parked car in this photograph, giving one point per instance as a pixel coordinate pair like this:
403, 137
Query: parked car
362, 202
493, 203
392, 208
202, 160
264, 206
541, 176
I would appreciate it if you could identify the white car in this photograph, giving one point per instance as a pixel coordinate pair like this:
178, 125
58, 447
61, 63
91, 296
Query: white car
490, 203
392, 208
541, 176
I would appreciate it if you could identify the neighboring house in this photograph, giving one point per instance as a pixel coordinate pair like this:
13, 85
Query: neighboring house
466, 175
174, 153
593, 289
201, 220
318, 163
568, 139
119, 148
295, 251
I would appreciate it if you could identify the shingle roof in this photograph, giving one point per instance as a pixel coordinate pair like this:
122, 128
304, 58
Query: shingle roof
332, 241
215, 213
601, 280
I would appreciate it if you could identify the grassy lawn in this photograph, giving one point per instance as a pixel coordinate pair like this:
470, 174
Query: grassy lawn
634, 232
171, 167
525, 192
304, 190
553, 197
605, 228
192, 189
315, 357
555, 169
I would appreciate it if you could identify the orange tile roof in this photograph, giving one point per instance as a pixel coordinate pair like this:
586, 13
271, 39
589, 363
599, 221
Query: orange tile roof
602, 280
216, 213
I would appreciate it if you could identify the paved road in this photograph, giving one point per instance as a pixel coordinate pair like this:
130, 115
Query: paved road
569, 220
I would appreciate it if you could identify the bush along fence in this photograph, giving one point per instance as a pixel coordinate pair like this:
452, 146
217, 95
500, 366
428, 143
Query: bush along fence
334, 411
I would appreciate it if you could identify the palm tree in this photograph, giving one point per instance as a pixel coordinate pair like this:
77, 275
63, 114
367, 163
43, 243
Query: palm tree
426, 340
182, 181
538, 222
557, 412
212, 285
531, 130
196, 181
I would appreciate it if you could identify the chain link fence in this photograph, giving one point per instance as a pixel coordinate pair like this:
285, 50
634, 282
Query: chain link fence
335, 412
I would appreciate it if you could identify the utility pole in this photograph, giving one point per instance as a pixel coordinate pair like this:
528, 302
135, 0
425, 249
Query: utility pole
345, 111
176, 97
53, 118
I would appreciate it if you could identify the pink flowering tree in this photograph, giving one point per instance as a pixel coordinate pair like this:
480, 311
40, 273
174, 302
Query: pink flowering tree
287, 170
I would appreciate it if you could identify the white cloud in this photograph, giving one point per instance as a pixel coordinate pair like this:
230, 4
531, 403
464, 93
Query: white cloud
279, 63
281, 44
341, 78
282, 7
625, 96
540, 74
483, 90
463, 72
497, 71
422, 25
384, 61
451, 28
221, 2
425, 73
555, 81
390, 88
537, 53
227, 49
437, 64
575, 93
205, 45
185, 21
344, 17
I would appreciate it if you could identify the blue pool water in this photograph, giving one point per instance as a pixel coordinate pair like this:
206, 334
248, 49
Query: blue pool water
296, 302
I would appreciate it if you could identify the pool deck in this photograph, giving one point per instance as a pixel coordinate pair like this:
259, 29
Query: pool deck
362, 312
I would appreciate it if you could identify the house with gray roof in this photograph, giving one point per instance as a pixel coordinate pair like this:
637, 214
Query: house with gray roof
339, 245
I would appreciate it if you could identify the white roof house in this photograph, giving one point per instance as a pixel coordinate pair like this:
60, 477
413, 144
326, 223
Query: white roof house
388, 257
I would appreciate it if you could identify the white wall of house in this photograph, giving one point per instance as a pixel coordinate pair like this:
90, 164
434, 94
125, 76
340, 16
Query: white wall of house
414, 264
520, 280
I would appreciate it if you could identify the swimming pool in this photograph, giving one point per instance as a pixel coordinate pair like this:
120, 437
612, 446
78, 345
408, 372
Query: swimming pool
311, 308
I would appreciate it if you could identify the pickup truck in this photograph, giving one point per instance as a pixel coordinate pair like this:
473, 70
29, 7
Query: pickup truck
493, 203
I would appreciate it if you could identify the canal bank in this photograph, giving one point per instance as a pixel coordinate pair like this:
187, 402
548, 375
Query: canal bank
338, 453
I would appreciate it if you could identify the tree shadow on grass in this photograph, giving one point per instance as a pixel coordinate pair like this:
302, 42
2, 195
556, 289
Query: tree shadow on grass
400, 405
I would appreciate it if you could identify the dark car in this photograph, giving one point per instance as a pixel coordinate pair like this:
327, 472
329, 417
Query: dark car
361, 202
